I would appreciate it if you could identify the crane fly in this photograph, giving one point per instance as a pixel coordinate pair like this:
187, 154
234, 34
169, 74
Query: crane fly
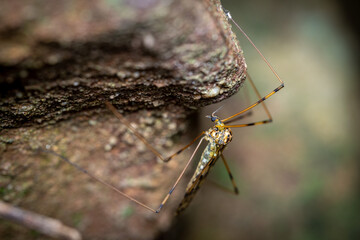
217, 137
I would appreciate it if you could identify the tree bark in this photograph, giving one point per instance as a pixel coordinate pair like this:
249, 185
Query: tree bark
157, 61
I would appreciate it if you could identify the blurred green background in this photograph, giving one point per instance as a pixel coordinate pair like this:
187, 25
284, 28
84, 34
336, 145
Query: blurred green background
298, 176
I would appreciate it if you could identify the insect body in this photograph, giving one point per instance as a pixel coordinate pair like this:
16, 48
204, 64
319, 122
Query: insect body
218, 137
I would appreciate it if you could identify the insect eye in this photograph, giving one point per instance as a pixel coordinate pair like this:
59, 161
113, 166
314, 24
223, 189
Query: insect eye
213, 119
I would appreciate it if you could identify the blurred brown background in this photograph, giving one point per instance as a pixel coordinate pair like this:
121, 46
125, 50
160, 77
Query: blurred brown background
298, 176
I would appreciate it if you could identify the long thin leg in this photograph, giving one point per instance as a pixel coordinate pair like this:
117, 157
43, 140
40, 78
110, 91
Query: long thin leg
109, 185
267, 63
255, 104
248, 113
177, 181
133, 130
236, 190
96, 178
269, 120
245, 115
259, 96
183, 148
227, 12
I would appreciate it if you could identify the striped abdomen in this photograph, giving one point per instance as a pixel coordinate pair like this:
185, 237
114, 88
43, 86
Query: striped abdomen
207, 160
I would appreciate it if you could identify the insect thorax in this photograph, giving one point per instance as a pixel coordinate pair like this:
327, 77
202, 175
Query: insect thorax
219, 134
